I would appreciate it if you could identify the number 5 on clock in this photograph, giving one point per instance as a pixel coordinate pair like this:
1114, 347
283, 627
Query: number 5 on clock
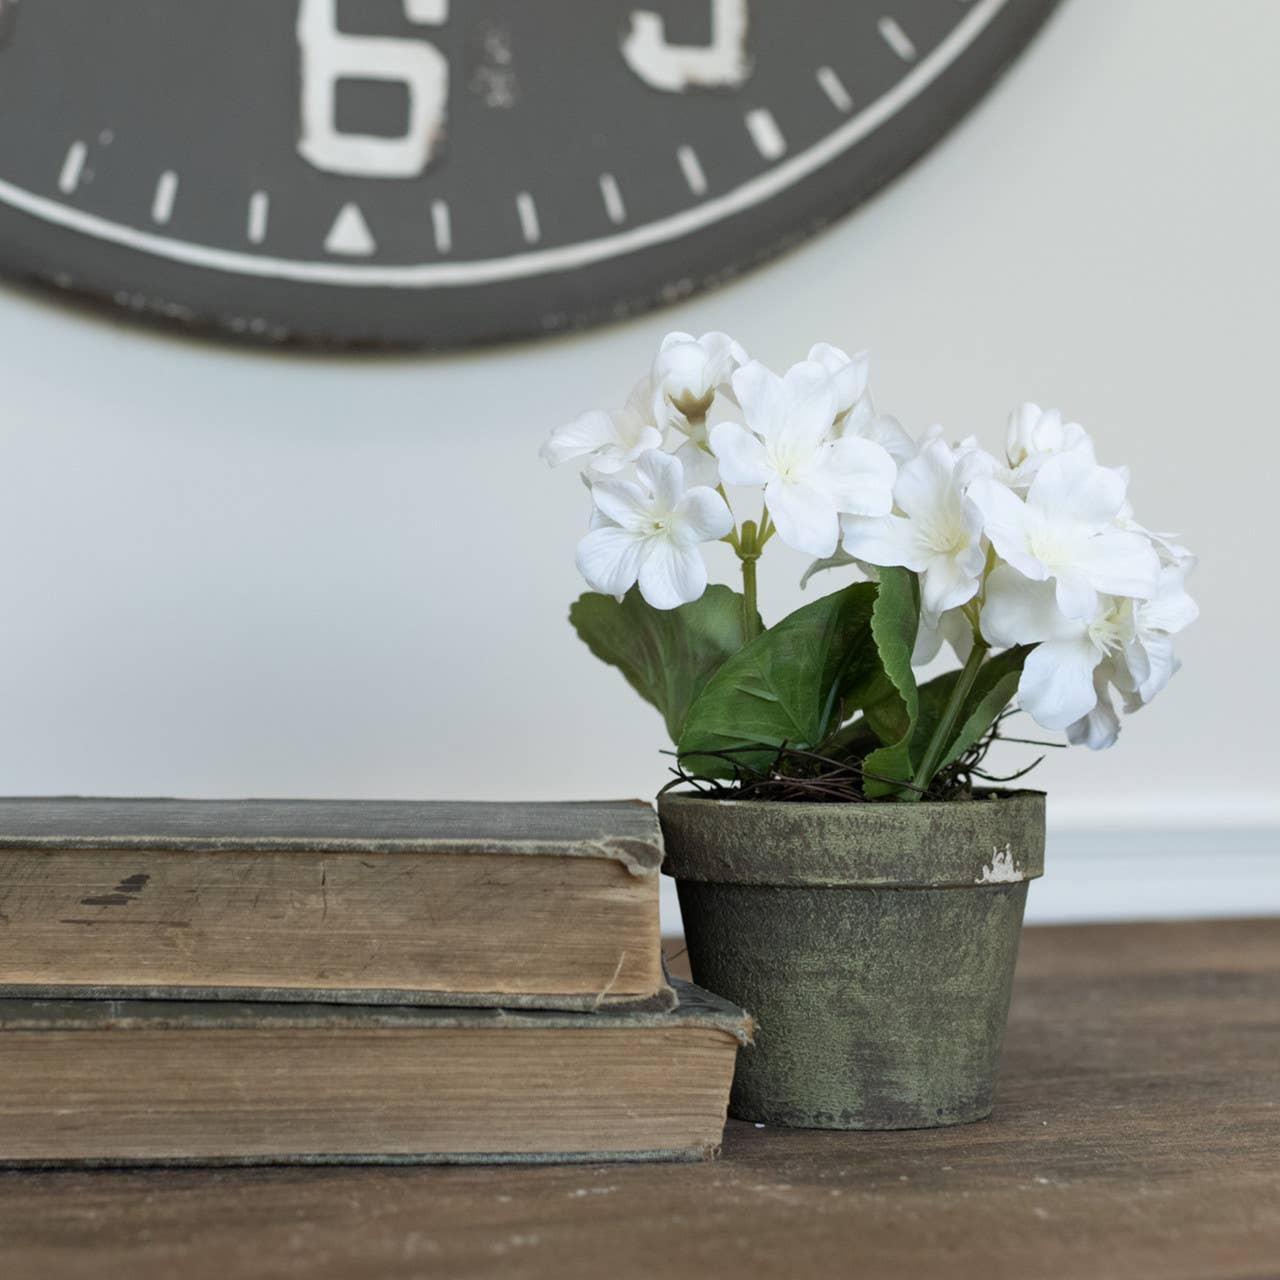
676, 68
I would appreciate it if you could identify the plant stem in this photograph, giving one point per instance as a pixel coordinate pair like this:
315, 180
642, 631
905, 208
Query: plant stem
750, 616
749, 553
932, 760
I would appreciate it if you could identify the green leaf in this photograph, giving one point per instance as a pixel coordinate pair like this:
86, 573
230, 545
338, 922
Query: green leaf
792, 684
893, 627
993, 690
666, 655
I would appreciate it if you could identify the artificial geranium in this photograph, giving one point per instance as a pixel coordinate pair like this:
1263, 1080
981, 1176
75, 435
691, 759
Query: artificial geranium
1031, 566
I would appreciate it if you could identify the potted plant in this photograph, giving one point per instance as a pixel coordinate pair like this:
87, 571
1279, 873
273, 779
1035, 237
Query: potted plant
844, 873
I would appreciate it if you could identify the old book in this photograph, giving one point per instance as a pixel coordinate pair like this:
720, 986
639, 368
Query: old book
520, 905
138, 1081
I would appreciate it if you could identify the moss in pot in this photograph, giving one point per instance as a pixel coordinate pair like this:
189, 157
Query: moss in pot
842, 874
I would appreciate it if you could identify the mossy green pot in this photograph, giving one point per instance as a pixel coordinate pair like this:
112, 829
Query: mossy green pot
873, 943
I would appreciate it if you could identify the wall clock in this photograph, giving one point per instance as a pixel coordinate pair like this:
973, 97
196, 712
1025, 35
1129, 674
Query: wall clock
436, 172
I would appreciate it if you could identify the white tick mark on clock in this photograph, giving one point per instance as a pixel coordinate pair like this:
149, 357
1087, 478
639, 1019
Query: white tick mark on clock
166, 194
691, 167
72, 167
765, 133
612, 197
833, 87
350, 234
441, 227
897, 39
259, 212
528, 212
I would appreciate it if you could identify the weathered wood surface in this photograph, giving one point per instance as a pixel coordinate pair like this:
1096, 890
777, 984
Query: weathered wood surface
1136, 1134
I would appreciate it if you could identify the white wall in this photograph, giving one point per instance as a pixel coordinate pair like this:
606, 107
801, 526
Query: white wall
227, 573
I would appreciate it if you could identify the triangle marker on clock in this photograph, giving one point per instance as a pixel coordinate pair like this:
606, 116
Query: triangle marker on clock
350, 234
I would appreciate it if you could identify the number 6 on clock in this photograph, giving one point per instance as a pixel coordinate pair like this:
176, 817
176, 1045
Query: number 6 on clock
329, 56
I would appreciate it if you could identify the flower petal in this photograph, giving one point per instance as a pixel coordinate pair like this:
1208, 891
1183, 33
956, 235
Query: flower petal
1152, 665
883, 430
806, 517
664, 476
585, 434
1076, 595
926, 483
760, 393
609, 559
1120, 563
949, 581
700, 467
1007, 522
1101, 727
953, 627
1019, 610
1172, 609
928, 644
624, 502
848, 373
884, 540
701, 515
811, 412
1070, 488
859, 476
742, 456
1019, 433
1056, 688
671, 575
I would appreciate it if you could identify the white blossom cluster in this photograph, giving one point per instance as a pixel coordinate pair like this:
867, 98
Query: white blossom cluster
1038, 547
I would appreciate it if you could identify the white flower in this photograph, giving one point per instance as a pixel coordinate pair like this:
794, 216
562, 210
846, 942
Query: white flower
688, 372
1034, 435
1057, 685
855, 412
938, 536
1065, 530
1101, 727
848, 374
973, 462
1149, 663
648, 532
883, 430
1169, 550
786, 446
610, 439
1068, 679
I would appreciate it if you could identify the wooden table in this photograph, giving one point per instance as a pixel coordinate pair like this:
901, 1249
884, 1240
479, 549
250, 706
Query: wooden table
1137, 1134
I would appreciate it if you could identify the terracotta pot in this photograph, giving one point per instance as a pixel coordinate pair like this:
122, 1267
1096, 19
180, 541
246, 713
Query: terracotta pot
874, 944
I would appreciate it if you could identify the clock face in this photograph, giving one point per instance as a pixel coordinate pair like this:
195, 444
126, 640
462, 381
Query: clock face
438, 173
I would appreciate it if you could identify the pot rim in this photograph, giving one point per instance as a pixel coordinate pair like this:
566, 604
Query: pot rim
995, 839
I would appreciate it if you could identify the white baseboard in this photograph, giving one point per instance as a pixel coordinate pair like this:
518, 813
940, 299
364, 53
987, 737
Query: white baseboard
1128, 872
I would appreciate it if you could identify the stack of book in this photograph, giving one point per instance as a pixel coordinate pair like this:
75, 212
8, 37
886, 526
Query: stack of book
275, 981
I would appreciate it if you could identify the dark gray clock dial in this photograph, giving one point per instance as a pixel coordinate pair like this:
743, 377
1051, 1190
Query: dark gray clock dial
437, 172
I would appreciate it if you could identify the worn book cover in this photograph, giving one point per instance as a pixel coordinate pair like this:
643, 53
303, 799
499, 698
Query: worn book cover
551, 905
160, 1082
